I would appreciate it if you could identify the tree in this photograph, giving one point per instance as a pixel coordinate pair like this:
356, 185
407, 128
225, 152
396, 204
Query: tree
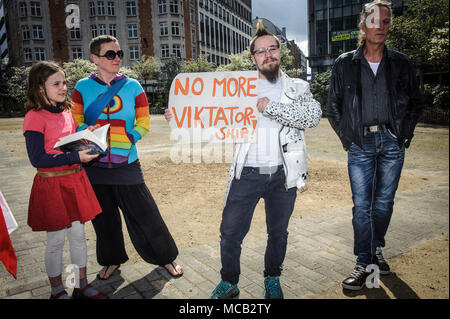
169, 71
14, 91
319, 88
294, 73
238, 62
200, 65
421, 32
147, 68
77, 70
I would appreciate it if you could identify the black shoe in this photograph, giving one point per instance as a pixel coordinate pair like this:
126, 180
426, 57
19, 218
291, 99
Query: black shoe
357, 278
381, 262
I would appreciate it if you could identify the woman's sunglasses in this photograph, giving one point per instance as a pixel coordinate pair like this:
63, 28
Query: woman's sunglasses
111, 55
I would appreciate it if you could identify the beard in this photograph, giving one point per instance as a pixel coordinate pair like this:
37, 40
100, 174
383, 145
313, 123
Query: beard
271, 71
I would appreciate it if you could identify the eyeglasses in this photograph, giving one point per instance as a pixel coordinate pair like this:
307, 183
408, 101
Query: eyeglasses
111, 55
262, 51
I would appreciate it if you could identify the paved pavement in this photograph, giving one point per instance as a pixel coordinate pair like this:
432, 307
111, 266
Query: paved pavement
319, 248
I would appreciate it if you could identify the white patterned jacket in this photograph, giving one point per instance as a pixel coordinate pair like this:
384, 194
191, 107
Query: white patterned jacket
296, 111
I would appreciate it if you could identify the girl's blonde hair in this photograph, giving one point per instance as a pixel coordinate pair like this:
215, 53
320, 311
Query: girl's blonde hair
36, 96
366, 11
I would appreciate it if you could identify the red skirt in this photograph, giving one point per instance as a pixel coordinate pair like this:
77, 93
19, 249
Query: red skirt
56, 202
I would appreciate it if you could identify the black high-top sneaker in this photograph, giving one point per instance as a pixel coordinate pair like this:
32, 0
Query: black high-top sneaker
357, 278
381, 262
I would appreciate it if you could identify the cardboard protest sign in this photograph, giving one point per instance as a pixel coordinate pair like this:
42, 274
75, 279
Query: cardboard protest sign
214, 106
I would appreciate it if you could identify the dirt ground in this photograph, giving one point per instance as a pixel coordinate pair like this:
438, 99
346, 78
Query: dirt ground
190, 196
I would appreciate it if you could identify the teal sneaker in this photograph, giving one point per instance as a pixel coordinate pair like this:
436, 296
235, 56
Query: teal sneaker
273, 288
225, 290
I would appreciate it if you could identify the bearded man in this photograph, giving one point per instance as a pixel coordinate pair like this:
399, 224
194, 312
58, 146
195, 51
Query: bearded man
273, 168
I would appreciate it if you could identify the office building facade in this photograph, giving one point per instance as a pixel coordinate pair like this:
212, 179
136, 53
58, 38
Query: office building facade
333, 28
47, 30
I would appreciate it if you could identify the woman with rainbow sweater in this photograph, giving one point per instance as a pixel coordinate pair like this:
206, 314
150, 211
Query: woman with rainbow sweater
117, 177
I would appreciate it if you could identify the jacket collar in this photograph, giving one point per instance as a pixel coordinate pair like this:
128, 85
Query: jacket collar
359, 53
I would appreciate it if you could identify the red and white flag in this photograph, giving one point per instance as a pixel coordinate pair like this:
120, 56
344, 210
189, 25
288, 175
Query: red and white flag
7, 225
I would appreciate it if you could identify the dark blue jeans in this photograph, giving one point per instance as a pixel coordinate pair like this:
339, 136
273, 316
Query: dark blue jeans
374, 175
237, 216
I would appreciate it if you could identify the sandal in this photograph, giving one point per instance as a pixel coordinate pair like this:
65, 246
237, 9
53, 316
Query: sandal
105, 277
175, 270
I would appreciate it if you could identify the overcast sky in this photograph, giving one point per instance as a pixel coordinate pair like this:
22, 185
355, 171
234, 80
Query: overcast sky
291, 14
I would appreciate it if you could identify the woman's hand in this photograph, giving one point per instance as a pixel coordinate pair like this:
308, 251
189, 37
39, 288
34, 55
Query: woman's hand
85, 157
167, 115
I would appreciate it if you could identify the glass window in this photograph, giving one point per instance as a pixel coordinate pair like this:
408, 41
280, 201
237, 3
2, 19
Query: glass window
77, 53
101, 8
25, 32
165, 53
176, 50
131, 8
92, 9
321, 26
94, 31
111, 9
162, 6
23, 9
112, 30
132, 31
75, 33
27, 55
134, 53
38, 32
163, 28
173, 6
347, 11
39, 54
175, 28
35, 9
202, 28
102, 29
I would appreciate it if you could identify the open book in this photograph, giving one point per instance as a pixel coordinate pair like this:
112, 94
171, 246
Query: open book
82, 140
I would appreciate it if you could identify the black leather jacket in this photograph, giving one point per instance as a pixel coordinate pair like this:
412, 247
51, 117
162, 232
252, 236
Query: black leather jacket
344, 109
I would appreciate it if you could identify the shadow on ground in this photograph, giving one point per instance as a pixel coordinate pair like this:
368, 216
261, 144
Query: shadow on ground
398, 288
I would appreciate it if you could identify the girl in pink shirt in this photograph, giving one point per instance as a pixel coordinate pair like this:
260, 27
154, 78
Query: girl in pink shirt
61, 198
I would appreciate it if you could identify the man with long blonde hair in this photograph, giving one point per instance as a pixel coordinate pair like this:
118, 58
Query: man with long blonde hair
374, 104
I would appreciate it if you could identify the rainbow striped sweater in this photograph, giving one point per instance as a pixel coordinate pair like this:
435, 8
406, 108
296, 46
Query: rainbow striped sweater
127, 114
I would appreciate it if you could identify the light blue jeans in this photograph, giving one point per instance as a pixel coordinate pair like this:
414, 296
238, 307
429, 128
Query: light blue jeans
374, 173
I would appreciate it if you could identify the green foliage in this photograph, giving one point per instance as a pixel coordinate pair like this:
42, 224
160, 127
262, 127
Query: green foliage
129, 73
439, 44
16, 85
147, 68
200, 65
238, 62
437, 96
319, 88
422, 33
77, 70
169, 71
294, 73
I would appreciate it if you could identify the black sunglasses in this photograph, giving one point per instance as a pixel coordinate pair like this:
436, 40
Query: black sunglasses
111, 55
